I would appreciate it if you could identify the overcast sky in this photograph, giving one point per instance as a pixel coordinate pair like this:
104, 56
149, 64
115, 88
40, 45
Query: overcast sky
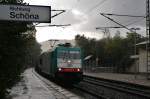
84, 16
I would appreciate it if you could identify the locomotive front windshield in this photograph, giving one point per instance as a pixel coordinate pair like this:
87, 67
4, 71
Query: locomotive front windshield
69, 58
69, 54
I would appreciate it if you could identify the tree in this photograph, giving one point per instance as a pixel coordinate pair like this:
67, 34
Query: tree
15, 39
83, 42
115, 51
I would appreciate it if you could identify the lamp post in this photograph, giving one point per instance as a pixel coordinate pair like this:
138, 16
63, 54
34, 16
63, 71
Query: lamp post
134, 31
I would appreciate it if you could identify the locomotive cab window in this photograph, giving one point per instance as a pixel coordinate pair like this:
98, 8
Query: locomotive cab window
69, 54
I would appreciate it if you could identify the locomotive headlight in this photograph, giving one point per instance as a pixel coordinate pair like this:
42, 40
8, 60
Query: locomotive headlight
69, 61
78, 69
59, 69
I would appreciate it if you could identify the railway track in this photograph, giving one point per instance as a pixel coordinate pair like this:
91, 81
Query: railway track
58, 91
111, 89
82, 94
90, 93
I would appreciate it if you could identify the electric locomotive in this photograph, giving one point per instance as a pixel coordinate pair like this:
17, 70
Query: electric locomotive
62, 63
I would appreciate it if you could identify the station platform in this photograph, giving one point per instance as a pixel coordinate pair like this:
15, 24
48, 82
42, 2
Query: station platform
31, 87
129, 78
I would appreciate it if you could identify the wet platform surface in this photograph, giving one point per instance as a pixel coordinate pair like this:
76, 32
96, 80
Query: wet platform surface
31, 88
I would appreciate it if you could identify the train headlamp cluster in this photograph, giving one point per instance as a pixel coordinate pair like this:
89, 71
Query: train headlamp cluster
69, 69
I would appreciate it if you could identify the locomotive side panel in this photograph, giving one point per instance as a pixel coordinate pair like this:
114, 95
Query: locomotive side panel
53, 64
45, 63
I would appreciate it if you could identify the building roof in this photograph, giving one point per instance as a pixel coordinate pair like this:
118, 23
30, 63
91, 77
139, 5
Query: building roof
142, 43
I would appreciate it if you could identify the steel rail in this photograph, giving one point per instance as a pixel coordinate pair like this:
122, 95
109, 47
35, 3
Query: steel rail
125, 87
89, 92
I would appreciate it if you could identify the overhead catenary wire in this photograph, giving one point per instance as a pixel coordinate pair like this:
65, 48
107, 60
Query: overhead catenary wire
121, 26
59, 12
115, 21
95, 6
54, 25
110, 14
134, 22
117, 27
108, 27
91, 9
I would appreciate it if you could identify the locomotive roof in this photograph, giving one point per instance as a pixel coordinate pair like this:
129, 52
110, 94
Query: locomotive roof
66, 48
61, 47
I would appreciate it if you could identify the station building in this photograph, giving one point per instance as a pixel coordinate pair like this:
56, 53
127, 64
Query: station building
140, 63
